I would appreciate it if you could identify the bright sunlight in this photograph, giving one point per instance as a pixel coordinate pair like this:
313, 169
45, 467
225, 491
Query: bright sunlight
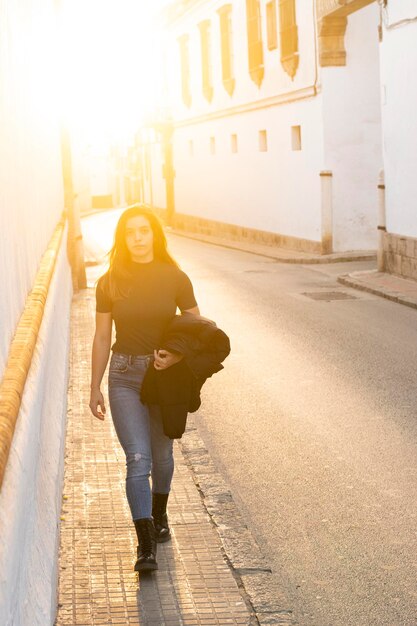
110, 65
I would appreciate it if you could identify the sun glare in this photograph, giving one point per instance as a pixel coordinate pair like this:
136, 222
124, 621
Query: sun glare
110, 65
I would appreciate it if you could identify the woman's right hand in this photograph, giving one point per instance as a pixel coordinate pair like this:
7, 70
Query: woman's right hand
97, 405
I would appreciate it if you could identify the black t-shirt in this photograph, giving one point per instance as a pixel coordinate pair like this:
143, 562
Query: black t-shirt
156, 290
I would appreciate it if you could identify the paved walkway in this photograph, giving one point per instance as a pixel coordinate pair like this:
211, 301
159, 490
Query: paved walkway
395, 288
194, 585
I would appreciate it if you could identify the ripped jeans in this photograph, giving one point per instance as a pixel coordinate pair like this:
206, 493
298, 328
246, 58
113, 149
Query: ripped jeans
148, 450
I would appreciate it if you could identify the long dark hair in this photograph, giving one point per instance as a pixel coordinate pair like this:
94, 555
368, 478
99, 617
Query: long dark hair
116, 279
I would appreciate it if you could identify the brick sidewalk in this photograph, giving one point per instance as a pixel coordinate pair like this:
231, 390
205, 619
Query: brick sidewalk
389, 286
97, 584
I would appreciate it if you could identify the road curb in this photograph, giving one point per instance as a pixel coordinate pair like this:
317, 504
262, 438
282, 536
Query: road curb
350, 281
241, 551
299, 260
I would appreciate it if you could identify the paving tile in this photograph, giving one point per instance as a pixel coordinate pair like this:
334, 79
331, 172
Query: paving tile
97, 584
396, 288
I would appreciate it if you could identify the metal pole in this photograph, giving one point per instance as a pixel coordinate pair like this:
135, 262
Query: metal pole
326, 212
382, 229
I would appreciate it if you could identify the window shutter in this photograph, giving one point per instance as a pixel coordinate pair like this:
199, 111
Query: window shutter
255, 47
225, 15
288, 36
185, 70
204, 28
271, 22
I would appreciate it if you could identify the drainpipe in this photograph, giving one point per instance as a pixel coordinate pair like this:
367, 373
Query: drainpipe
326, 177
381, 221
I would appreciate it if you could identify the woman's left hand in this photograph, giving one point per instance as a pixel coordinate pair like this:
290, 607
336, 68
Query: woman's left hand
164, 359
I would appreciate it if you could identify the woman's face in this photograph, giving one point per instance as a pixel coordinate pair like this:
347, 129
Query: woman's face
139, 239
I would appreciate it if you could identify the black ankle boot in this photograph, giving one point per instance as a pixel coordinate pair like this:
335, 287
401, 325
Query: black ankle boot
159, 514
146, 550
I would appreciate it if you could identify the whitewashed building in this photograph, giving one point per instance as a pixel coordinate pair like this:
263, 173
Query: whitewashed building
277, 120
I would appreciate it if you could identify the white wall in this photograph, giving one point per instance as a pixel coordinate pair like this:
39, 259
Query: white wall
31, 204
30, 498
275, 81
155, 177
81, 175
279, 190
399, 97
399, 11
31, 187
352, 133
276, 191
101, 182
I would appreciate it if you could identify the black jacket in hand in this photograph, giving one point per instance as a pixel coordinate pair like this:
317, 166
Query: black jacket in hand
176, 390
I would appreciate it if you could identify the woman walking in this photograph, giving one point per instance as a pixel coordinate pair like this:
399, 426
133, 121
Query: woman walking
141, 292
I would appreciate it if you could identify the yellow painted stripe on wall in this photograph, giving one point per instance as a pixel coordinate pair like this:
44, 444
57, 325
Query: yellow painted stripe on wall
23, 346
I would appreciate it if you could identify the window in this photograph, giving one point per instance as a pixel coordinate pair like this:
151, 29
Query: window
204, 28
296, 137
255, 48
263, 141
271, 25
225, 15
185, 70
212, 145
288, 36
233, 143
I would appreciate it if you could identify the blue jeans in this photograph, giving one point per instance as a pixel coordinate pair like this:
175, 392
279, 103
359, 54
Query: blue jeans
140, 432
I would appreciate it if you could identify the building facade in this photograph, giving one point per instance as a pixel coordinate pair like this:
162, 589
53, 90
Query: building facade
276, 113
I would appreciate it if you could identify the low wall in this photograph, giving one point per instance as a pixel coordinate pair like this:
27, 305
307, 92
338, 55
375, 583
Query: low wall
194, 224
400, 255
30, 497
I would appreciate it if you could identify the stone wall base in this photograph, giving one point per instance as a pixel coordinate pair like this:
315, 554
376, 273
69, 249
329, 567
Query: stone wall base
232, 232
400, 255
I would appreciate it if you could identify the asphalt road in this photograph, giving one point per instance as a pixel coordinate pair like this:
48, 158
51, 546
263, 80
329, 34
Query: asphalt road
313, 424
